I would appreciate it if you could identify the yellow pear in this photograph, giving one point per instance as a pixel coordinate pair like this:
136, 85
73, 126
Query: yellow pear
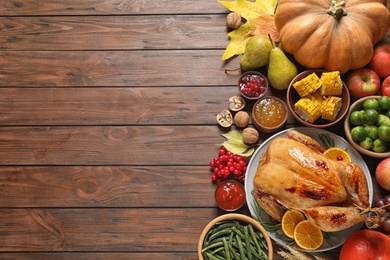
280, 69
256, 54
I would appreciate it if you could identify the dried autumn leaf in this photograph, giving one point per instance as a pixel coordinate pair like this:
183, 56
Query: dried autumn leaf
250, 11
265, 24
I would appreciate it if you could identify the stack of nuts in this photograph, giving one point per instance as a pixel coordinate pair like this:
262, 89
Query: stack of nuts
241, 119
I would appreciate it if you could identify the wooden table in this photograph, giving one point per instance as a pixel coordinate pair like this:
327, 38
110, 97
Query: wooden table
107, 127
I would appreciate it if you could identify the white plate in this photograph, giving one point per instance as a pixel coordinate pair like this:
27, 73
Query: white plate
337, 238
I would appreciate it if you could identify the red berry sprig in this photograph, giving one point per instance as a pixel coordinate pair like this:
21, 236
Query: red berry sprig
228, 166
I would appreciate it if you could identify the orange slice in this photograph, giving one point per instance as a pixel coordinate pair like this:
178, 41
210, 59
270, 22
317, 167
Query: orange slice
338, 154
289, 221
308, 236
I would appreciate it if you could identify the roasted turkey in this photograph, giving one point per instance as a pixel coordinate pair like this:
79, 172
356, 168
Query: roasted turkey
293, 173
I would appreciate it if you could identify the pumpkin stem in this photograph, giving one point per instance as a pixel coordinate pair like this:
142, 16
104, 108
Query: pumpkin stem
337, 9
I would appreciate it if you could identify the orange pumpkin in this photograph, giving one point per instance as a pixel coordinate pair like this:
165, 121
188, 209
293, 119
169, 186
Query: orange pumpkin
332, 34
366, 244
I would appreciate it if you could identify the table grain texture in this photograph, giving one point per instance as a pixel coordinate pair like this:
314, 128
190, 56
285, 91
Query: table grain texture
107, 127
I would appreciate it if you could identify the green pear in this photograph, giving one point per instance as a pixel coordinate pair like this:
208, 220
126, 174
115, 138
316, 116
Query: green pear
280, 69
256, 53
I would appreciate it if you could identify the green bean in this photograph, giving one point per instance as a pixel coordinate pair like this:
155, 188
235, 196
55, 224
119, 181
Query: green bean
254, 252
214, 257
212, 246
248, 242
240, 247
233, 251
238, 232
225, 245
254, 238
223, 225
219, 233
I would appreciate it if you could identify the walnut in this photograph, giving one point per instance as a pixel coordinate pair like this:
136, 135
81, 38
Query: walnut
233, 20
241, 119
250, 135
225, 118
236, 103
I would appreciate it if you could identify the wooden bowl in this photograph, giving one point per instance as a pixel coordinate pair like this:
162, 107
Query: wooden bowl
265, 109
293, 97
358, 105
242, 219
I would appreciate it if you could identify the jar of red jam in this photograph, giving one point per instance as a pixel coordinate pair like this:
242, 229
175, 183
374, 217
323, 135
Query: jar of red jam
230, 195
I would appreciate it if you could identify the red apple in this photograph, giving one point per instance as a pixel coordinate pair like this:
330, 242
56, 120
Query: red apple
363, 82
380, 61
385, 88
382, 174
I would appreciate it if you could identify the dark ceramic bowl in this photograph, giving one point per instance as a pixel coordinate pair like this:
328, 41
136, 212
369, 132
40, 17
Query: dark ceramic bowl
293, 97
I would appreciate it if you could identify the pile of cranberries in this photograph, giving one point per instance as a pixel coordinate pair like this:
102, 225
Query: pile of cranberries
252, 86
228, 166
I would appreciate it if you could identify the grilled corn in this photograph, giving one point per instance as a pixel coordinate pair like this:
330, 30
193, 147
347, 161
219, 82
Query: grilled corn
331, 107
331, 84
309, 107
308, 84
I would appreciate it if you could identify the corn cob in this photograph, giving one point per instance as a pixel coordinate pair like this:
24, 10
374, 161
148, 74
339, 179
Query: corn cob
331, 83
309, 107
331, 107
308, 84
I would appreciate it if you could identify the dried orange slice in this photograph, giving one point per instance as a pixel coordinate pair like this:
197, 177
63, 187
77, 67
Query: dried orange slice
290, 219
308, 236
338, 154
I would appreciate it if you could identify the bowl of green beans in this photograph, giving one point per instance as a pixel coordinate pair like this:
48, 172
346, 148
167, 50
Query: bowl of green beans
234, 236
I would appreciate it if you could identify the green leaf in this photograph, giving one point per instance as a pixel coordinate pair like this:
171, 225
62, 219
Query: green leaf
234, 137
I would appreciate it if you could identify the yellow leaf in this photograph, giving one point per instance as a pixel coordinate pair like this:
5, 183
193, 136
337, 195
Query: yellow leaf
238, 40
250, 11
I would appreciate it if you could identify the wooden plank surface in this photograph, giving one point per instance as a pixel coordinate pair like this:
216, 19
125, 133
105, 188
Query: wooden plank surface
114, 32
107, 127
115, 68
107, 7
103, 229
106, 186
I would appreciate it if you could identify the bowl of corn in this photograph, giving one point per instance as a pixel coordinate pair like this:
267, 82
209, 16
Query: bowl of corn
318, 98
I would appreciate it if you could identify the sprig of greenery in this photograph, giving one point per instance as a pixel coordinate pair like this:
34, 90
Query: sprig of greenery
274, 227
326, 140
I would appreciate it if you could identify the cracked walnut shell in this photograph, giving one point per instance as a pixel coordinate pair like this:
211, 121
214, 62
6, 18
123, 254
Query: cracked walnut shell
225, 118
236, 103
